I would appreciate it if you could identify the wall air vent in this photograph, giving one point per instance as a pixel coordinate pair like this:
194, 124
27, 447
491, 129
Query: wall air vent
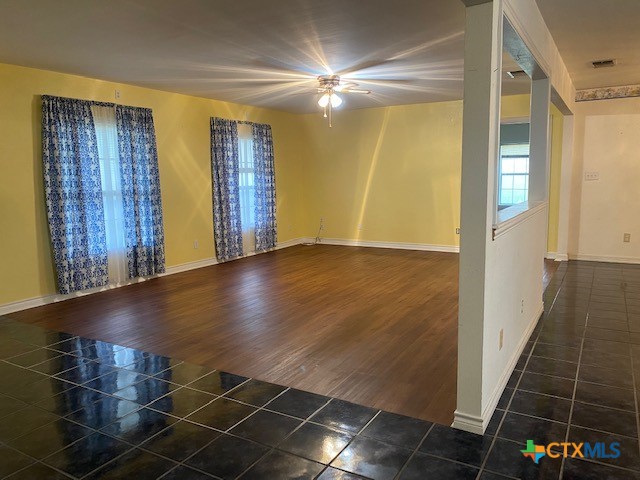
517, 74
604, 63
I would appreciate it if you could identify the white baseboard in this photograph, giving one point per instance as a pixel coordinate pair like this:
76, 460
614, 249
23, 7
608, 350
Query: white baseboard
59, 297
558, 257
468, 423
184, 267
291, 243
603, 258
476, 424
396, 245
25, 304
206, 262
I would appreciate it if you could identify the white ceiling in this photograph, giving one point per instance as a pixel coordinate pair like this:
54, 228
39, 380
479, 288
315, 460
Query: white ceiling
270, 53
588, 30
250, 51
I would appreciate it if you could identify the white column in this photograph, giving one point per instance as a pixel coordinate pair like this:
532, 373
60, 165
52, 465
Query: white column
566, 170
480, 140
539, 141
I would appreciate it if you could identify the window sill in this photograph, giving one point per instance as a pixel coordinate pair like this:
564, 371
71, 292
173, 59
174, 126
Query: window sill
512, 216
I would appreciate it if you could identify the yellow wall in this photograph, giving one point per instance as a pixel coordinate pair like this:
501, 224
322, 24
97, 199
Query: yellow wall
395, 171
518, 106
182, 131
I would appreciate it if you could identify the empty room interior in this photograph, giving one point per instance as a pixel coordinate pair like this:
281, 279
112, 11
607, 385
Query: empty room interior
335, 240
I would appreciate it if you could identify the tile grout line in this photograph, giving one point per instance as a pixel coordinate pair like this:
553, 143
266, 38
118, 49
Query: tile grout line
306, 421
506, 411
633, 376
139, 446
483, 464
100, 431
573, 400
228, 432
36, 462
347, 444
575, 384
216, 397
415, 450
264, 407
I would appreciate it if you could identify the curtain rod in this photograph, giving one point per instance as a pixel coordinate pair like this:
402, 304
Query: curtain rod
94, 102
240, 122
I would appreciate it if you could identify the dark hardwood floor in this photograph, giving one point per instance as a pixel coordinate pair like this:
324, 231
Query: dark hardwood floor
373, 326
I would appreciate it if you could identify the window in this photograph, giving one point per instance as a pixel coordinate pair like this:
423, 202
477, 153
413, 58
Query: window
247, 186
513, 178
104, 119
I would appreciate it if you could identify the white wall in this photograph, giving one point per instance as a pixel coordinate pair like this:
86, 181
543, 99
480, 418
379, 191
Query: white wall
513, 301
501, 278
607, 142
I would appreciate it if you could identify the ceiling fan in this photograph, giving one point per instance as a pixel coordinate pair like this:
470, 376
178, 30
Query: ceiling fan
329, 86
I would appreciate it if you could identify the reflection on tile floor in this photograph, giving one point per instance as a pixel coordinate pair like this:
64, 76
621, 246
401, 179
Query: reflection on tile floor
72, 407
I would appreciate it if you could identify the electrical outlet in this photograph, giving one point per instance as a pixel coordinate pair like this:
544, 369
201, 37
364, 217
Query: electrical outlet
195, 244
501, 341
522, 306
626, 238
591, 176
117, 94
458, 231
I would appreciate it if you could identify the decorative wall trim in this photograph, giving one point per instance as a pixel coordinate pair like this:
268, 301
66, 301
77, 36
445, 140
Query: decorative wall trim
475, 424
603, 258
396, 245
607, 93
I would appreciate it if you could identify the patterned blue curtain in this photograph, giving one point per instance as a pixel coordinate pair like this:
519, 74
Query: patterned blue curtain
266, 232
227, 227
73, 194
142, 205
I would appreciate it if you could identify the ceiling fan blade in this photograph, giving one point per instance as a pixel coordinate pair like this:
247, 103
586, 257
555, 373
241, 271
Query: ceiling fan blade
281, 67
356, 90
345, 85
364, 65
385, 80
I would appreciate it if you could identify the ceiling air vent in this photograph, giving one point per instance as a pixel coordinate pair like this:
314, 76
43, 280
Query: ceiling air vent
517, 74
604, 63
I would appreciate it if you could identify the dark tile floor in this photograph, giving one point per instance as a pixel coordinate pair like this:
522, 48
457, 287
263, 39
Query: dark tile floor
72, 407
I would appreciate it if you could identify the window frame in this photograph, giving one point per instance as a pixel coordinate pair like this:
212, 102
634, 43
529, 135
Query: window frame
500, 175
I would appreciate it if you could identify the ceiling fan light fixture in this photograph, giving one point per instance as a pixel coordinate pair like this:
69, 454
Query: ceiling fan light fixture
328, 85
324, 100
